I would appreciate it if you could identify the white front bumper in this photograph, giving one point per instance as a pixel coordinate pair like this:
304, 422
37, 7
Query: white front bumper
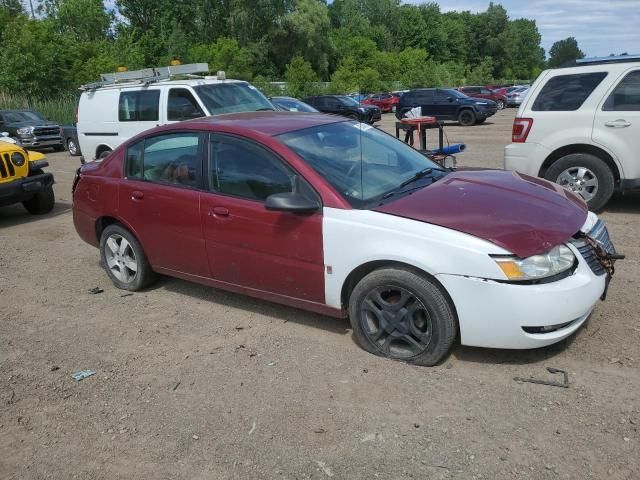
492, 314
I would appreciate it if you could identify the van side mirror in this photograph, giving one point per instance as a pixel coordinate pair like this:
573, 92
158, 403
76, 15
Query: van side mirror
291, 202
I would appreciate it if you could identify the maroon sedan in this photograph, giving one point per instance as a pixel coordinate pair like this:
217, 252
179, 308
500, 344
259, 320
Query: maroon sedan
386, 102
334, 216
486, 93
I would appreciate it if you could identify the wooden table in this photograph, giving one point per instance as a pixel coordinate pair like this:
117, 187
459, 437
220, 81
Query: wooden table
421, 124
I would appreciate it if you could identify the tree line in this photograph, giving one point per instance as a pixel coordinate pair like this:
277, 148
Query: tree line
364, 45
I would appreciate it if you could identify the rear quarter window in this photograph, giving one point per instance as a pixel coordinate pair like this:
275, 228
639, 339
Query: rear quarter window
139, 106
567, 92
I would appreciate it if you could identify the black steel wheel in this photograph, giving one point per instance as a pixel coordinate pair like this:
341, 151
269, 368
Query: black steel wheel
466, 118
402, 315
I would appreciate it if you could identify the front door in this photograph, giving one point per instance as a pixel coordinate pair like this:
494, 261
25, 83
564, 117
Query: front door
248, 245
617, 122
160, 198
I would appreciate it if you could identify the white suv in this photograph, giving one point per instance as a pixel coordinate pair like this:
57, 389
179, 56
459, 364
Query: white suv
580, 127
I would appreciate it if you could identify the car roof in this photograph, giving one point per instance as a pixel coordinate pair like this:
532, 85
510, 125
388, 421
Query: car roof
267, 123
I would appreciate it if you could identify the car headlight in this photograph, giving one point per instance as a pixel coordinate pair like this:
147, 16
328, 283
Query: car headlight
25, 130
555, 261
18, 159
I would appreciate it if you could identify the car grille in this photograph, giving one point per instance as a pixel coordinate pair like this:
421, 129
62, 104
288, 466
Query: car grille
46, 131
6, 166
600, 235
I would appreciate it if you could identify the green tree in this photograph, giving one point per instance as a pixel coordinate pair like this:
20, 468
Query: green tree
563, 52
300, 78
224, 54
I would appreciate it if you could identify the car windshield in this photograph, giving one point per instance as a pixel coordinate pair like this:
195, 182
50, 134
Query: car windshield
349, 100
292, 105
359, 161
232, 97
26, 116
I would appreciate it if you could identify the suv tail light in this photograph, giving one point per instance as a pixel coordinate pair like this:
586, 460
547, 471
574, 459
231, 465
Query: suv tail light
521, 129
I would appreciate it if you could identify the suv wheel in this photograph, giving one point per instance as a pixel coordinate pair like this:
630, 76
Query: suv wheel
500, 104
41, 202
72, 147
401, 315
585, 174
124, 260
467, 118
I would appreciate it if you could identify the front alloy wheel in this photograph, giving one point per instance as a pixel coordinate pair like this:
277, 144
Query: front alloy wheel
403, 315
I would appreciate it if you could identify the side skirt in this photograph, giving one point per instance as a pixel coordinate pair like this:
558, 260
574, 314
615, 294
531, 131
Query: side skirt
253, 292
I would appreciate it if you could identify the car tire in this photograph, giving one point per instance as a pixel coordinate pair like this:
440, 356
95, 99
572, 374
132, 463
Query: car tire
72, 147
466, 118
500, 104
423, 338
124, 260
585, 174
354, 116
41, 203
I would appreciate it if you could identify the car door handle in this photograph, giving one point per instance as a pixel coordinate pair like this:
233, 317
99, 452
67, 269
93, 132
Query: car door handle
219, 212
619, 123
137, 195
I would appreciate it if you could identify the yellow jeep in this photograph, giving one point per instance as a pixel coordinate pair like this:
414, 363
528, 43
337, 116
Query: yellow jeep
23, 180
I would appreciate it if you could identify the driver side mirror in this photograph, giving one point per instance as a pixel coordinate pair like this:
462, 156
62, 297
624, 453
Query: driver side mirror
291, 202
450, 99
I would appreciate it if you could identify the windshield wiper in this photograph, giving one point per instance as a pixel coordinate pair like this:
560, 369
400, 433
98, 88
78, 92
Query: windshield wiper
264, 109
417, 176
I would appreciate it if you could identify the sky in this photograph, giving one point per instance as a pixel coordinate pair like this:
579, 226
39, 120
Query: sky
601, 27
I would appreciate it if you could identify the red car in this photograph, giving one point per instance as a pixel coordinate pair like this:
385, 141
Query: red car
334, 216
484, 92
386, 102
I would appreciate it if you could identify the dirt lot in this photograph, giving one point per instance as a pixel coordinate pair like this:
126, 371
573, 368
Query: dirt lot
197, 383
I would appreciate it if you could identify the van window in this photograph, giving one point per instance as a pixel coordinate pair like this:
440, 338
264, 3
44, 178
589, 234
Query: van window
626, 96
567, 92
139, 106
182, 106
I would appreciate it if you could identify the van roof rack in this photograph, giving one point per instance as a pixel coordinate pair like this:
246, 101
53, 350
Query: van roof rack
610, 59
147, 75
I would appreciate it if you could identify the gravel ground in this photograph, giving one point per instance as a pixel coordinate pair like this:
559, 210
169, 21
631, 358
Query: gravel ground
197, 383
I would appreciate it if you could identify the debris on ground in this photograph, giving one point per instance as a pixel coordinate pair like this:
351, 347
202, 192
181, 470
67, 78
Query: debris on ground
95, 290
319, 430
564, 384
271, 364
82, 374
325, 469
126, 295
175, 387
253, 428
54, 368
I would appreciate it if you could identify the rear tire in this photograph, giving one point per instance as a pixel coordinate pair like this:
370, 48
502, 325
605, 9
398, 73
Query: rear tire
402, 315
122, 257
586, 175
467, 118
500, 104
41, 203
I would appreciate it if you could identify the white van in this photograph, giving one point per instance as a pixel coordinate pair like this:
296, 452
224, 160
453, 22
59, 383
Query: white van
126, 103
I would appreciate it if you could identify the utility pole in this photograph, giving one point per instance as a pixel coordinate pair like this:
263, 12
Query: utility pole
33, 15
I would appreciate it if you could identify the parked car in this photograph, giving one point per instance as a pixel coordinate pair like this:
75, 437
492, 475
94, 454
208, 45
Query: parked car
127, 103
346, 106
578, 126
333, 216
31, 129
386, 102
290, 104
483, 92
447, 104
22, 178
516, 96
70, 139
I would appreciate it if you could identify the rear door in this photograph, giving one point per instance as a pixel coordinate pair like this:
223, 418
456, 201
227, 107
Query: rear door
248, 245
160, 199
617, 122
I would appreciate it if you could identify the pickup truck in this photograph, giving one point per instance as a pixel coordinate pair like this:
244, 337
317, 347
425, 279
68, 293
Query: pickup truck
31, 129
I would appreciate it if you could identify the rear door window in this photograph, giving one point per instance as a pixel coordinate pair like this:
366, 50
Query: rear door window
139, 106
567, 92
626, 96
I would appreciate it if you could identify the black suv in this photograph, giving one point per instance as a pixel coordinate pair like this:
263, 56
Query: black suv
345, 106
31, 129
447, 104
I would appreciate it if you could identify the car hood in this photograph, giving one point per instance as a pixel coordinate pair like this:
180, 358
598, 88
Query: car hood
522, 214
31, 123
